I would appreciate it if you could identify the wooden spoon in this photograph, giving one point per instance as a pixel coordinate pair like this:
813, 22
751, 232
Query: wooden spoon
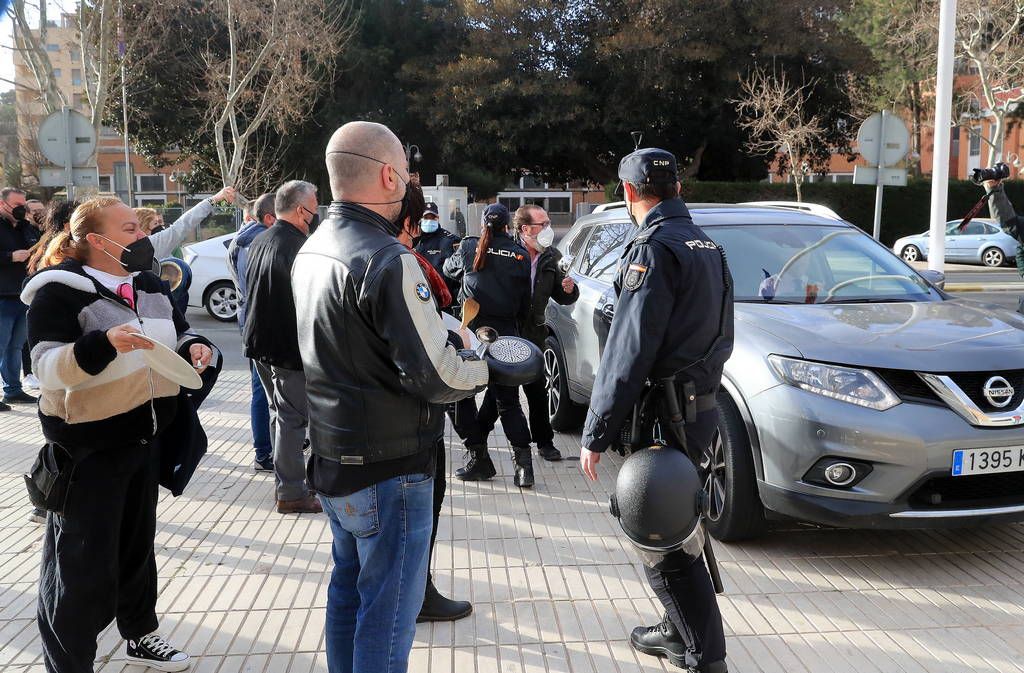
470, 309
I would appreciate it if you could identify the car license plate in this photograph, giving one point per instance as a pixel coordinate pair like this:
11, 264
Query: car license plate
987, 461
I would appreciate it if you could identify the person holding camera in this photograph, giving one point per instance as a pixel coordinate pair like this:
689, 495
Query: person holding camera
999, 206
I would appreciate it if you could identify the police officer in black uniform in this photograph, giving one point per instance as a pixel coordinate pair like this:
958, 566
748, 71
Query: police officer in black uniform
494, 271
672, 327
437, 244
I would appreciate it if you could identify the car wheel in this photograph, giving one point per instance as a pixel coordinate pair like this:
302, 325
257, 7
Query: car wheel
565, 414
993, 257
732, 507
911, 253
221, 301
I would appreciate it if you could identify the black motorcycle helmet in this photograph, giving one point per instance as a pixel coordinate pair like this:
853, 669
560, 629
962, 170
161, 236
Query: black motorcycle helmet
657, 502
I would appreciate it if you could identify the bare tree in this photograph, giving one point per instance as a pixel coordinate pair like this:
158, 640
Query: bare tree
773, 111
271, 72
97, 27
31, 44
990, 34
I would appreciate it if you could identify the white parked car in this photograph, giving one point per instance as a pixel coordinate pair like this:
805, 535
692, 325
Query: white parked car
212, 285
981, 242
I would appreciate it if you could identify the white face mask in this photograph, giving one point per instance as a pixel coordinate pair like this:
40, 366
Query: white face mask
545, 238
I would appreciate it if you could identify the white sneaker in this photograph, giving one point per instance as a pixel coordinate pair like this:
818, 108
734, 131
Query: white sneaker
30, 382
155, 652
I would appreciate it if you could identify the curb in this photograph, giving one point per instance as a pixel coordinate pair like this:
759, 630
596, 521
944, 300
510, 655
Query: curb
981, 287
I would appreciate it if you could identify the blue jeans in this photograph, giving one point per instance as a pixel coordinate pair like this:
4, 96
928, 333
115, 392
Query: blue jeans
259, 416
13, 334
381, 544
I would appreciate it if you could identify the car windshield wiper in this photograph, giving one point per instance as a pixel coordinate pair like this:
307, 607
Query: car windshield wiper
870, 300
763, 300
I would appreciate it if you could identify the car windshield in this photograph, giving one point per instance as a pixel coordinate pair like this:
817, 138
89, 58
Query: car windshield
812, 264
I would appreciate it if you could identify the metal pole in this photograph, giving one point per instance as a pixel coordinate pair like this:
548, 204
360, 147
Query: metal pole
879, 184
124, 109
943, 113
69, 179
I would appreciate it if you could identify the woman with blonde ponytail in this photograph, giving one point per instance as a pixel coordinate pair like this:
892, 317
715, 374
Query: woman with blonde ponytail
101, 408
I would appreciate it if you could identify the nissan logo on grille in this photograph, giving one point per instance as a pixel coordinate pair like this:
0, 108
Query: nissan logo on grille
998, 392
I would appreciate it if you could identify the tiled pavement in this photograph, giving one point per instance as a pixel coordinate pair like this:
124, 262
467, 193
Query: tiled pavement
554, 587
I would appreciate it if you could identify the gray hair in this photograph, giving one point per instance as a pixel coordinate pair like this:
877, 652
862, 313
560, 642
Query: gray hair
289, 196
7, 191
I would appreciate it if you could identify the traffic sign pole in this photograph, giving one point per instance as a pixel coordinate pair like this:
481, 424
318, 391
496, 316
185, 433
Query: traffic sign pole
877, 228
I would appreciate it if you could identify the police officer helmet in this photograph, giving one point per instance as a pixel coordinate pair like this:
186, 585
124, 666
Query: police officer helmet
647, 166
657, 502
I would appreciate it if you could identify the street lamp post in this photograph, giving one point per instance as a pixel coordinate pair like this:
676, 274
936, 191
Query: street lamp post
409, 156
943, 112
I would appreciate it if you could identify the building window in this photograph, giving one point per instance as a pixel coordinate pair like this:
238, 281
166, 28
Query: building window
559, 205
150, 201
73, 53
974, 149
105, 183
53, 47
76, 77
77, 101
57, 73
954, 142
151, 183
510, 202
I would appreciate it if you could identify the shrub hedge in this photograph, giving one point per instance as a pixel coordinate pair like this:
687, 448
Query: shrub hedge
904, 209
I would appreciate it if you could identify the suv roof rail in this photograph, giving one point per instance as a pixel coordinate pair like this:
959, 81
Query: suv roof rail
813, 208
609, 206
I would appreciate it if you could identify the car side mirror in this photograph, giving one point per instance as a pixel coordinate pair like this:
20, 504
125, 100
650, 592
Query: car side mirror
565, 263
935, 278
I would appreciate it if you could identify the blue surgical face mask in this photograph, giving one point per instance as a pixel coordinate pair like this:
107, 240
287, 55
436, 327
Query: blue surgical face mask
429, 226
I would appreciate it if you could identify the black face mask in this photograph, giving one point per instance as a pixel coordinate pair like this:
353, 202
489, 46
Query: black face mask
157, 230
18, 213
139, 256
313, 223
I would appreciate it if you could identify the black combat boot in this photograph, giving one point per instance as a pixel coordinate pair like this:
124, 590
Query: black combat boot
437, 608
663, 640
549, 453
524, 467
479, 467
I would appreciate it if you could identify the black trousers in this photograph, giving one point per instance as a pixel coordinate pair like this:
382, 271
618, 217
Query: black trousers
440, 486
537, 401
688, 595
508, 408
26, 360
98, 562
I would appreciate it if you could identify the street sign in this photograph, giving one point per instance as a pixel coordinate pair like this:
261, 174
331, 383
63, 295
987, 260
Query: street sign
889, 135
58, 138
891, 177
51, 176
883, 140
67, 139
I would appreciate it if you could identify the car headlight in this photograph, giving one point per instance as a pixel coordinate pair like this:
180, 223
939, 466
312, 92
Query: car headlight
856, 386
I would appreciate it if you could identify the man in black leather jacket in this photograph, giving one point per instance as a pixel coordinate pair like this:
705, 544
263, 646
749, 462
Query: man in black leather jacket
378, 366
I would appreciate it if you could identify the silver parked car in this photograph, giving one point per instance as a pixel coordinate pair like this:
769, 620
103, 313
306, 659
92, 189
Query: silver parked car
858, 393
980, 242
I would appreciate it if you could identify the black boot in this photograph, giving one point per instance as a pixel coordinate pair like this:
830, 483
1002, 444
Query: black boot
524, 467
663, 640
549, 453
479, 467
437, 608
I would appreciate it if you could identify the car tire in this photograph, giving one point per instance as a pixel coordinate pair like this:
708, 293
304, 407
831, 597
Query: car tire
565, 414
221, 301
732, 506
993, 257
911, 253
